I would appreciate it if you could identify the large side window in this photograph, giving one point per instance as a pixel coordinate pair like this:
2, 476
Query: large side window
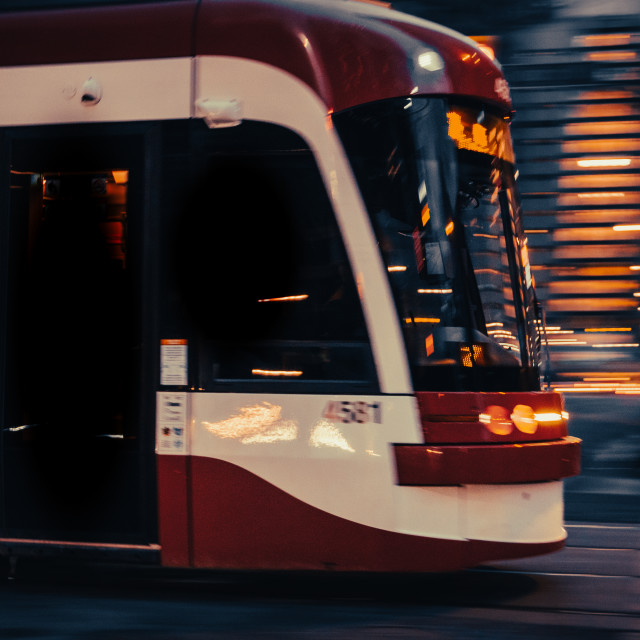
262, 268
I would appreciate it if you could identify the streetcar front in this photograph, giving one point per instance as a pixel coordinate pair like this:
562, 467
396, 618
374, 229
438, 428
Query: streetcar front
439, 185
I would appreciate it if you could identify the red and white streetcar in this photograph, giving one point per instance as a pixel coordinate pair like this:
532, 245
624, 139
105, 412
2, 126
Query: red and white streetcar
266, 295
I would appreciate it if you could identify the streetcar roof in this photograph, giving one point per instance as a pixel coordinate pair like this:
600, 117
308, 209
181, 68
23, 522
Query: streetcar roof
349, 52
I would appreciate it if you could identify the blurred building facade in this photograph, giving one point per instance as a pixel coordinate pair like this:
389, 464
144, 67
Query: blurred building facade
574, 72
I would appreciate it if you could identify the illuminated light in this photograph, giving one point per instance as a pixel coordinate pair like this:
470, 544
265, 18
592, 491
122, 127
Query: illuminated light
428, 344
449, 228
565, 415
497, 420
603, 40
615, 127
530, 231
606, 329
598, 181
550, 416
275, 373
616, 345
485, 235
524, 419
495, 324
614, 56
559, 331
590, 96
421, 320
430, 60
603, 194
636, 294
465, 56
492, 137
607, 389
600, 145
327, 434
487, 50
120, 177
397, 268
626, 227
471, 355
303, 296
635, 267
435, 290
621, 379
426, 215
261, 423
605, 162
567, 342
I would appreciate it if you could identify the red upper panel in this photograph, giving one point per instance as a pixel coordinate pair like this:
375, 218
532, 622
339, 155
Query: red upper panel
349, 52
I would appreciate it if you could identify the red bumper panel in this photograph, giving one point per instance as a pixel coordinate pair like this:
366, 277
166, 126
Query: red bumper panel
442, 465
241, 521
457, 417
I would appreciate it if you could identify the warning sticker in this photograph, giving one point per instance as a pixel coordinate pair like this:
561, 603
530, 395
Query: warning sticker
173, 363
171, 431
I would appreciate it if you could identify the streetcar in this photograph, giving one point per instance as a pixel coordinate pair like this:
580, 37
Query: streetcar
267, 303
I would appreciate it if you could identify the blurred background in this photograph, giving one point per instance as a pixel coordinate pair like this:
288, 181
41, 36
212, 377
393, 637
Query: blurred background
574, 71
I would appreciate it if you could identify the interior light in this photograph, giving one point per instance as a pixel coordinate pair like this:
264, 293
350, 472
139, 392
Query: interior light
435, 290
396, 268
426, 215
423, 320
449, 228
428, 344
605, 329
275, 373
120, 177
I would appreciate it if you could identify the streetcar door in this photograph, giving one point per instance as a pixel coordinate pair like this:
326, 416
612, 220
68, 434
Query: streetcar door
77, 430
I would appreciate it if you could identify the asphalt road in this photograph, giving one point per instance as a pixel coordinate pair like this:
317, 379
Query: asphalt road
608, 488
591, 589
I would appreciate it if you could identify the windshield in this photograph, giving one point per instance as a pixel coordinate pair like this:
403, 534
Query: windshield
438, 182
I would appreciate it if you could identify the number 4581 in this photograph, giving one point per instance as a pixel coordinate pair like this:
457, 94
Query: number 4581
348, 411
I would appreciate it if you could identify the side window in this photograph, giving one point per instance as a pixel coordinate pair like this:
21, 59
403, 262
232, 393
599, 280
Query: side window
262, 268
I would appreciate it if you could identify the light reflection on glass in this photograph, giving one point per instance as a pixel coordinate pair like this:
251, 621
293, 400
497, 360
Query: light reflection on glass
327, 434
260, 423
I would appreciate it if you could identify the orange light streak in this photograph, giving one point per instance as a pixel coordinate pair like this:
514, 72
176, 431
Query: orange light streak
605, 162
275, 373
626, 227
304, 296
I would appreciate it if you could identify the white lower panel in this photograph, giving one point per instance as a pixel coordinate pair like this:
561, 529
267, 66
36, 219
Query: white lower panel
430, 511
528, 513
